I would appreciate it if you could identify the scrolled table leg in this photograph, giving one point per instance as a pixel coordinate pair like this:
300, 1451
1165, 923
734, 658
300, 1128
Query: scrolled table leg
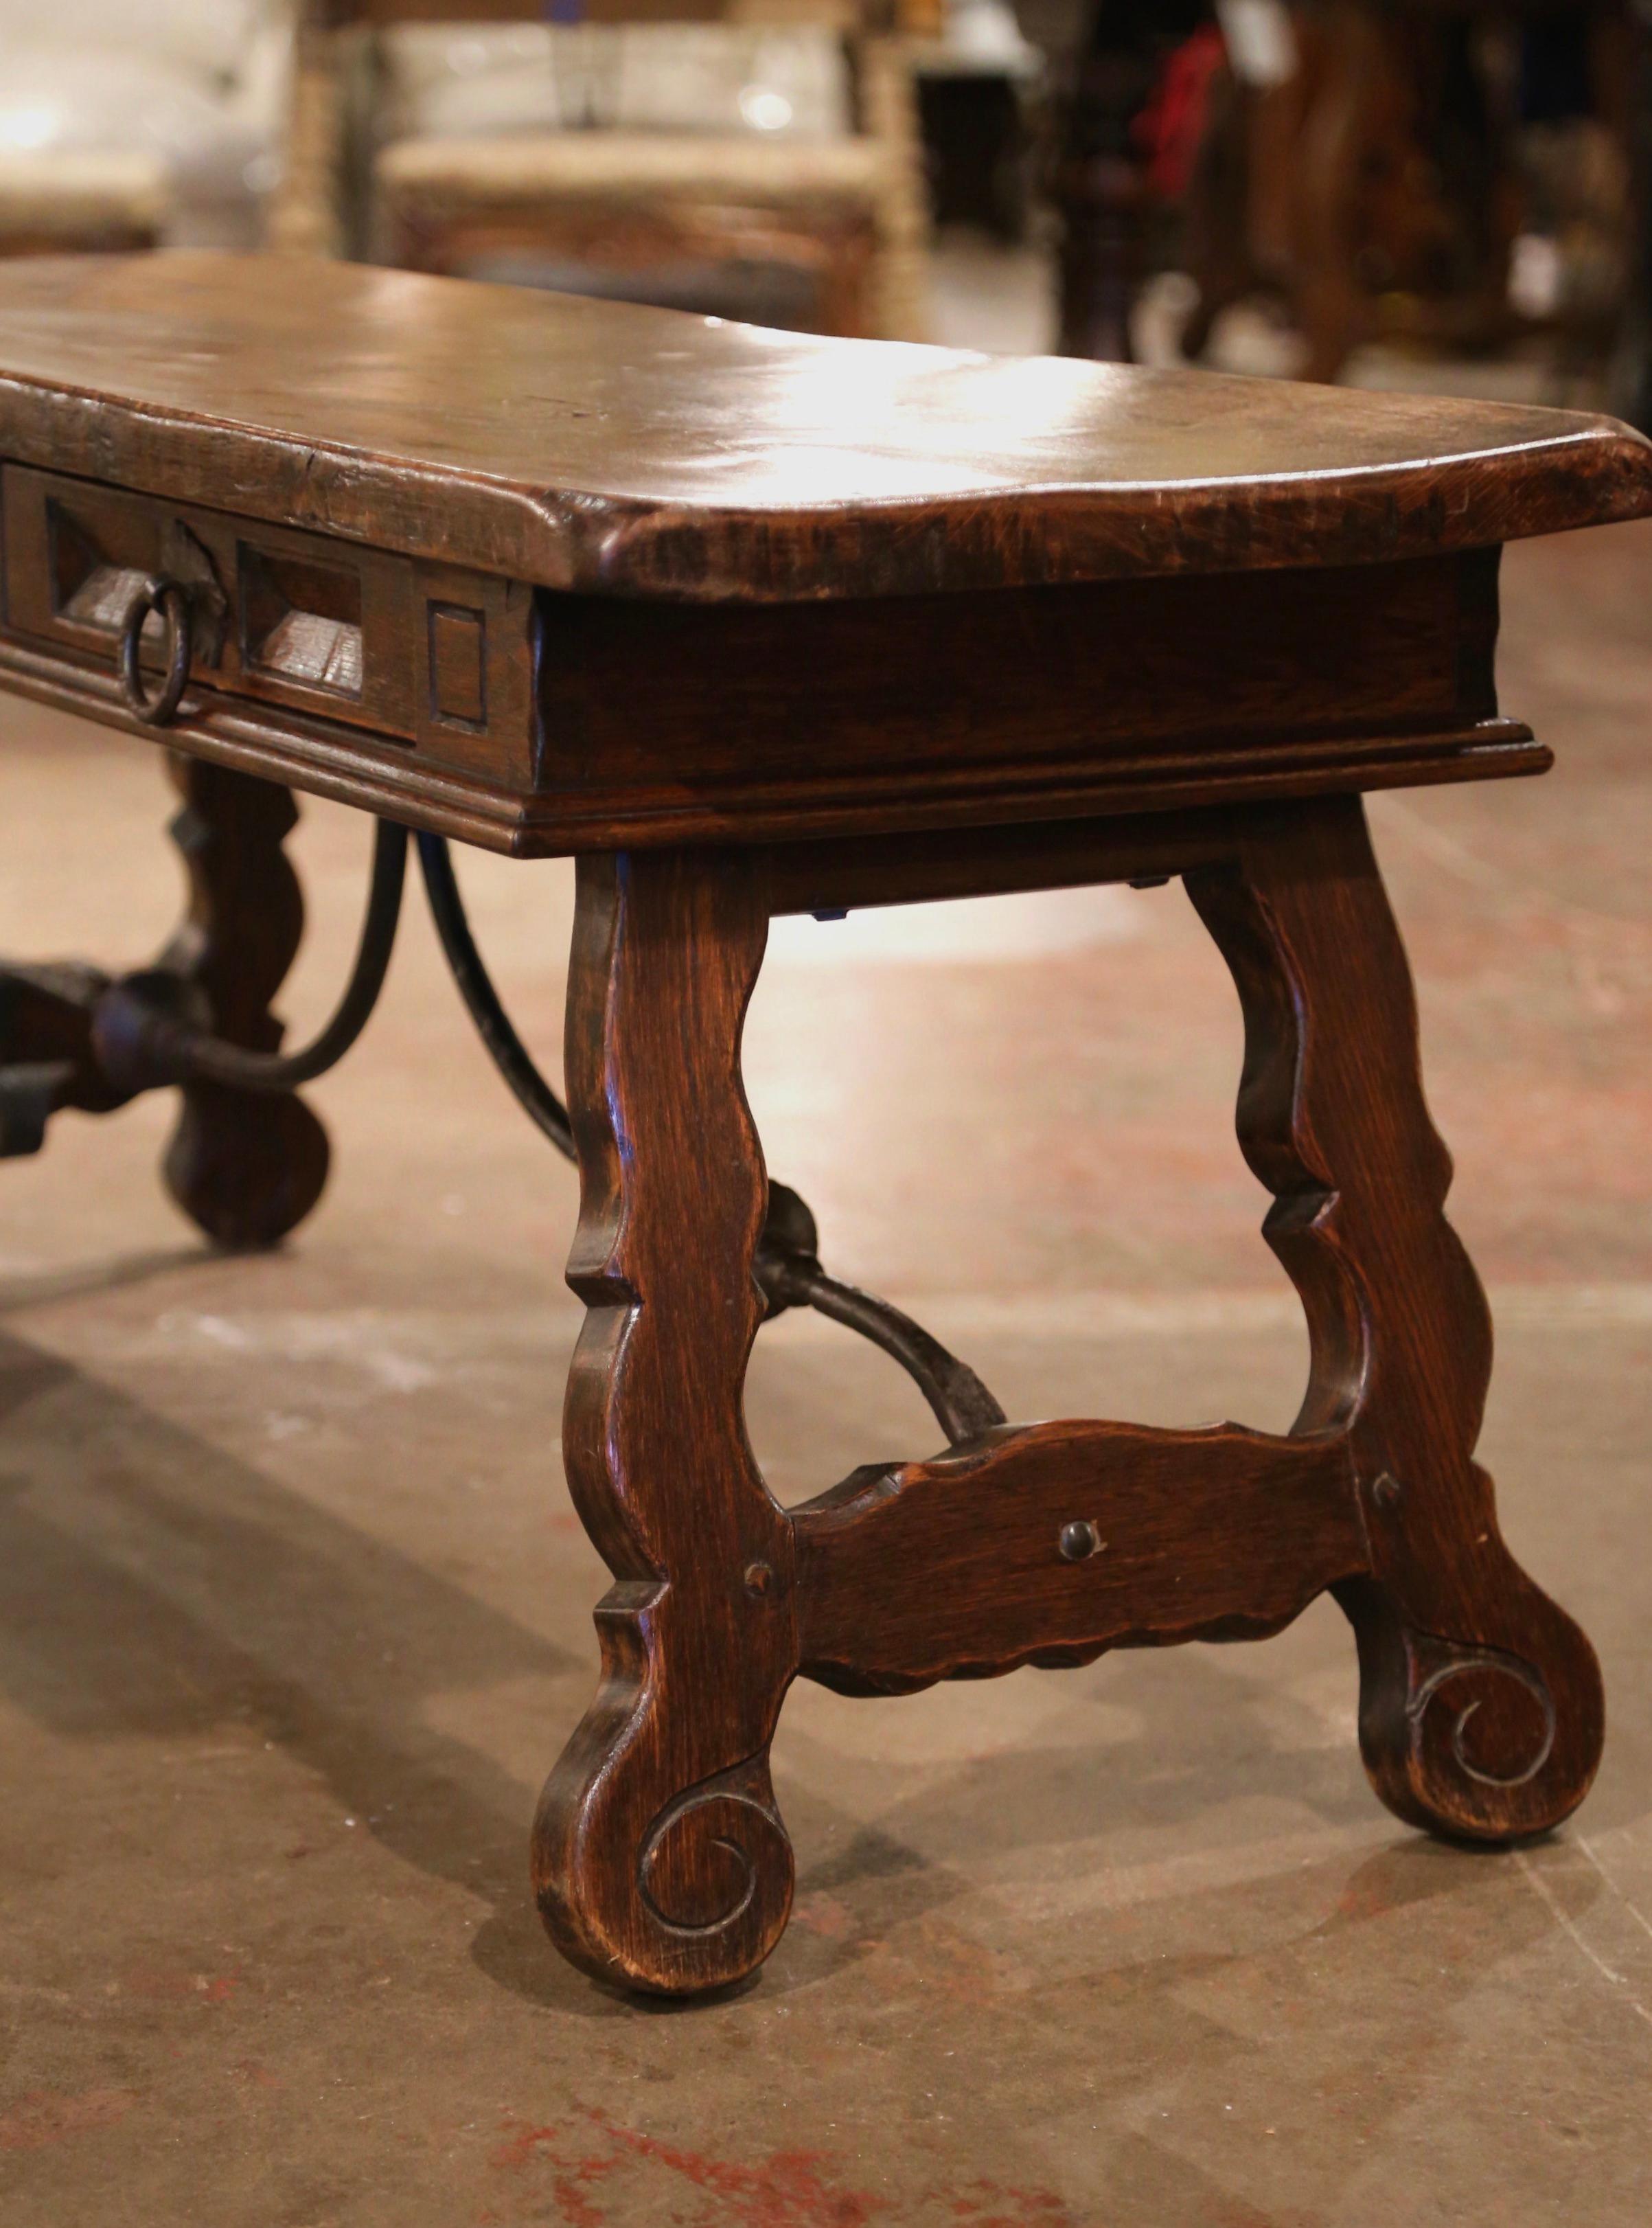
1481, 1710
660, 1859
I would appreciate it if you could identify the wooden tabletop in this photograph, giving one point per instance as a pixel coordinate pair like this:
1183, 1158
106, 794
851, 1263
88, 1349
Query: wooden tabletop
593, 446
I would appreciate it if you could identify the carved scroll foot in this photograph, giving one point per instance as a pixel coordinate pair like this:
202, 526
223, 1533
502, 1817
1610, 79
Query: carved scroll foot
1481, 1713
1478, 1741
659, 1860
646, 1874
245, 1167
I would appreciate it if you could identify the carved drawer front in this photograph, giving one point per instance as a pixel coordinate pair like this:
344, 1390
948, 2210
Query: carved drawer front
420, 654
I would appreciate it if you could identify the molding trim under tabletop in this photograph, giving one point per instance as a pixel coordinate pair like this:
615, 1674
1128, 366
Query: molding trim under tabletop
322, 759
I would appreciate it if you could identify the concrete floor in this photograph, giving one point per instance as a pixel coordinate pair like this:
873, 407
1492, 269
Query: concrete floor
295, 1613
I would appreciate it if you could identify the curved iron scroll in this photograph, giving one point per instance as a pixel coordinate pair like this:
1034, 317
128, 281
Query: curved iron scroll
72, 1037
789, 1275
151, 1028
787, 1266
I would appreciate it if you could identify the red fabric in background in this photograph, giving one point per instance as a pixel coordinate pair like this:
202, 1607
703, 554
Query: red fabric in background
1168, 130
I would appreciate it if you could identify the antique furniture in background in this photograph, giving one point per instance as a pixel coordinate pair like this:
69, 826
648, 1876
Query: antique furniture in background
980, 95
1100, 182
647, 153
61, 204
756, 626
118, 124
1373, 167
1382, 188
1375, 189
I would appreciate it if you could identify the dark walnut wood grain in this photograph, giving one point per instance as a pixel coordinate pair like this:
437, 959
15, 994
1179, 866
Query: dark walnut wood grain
660, 1856
1481, 1708
969, 1564
542, 573
754, 624
607, 721
245, 1166
930, 711
597, 446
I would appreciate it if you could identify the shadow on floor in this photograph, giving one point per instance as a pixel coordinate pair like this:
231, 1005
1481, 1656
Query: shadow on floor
153, 1587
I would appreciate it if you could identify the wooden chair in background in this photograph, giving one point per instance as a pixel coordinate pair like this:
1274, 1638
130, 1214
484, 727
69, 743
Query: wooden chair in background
123, 127
79, 203
639, 143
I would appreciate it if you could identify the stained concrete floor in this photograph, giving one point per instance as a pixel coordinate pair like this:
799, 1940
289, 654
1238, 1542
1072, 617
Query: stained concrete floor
295, 1612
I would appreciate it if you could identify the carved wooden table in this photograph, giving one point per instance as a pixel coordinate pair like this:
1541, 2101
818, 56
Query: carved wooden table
757, 624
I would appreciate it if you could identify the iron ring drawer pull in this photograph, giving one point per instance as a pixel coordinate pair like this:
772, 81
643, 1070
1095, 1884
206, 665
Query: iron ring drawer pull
171, 598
